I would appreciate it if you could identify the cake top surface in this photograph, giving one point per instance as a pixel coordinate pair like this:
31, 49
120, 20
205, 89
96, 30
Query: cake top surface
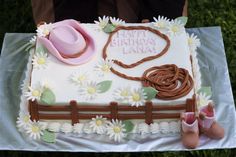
100, 63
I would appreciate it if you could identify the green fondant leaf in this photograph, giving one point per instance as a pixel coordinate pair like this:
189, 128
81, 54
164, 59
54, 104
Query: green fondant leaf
40, 49
104, 86
206, 90
109, 28
182, 19
150, 92
129, 126
49, 137
47, 97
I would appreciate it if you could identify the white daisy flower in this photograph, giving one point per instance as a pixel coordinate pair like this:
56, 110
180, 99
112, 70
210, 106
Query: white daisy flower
116, 130
154, 128
102, 22
24, 87
44, 30
89, 91
175, 27
40, 60
137, 97
164, 127
103, 67
122, 94
117, 21
66, 128
98, 124
34, 92
78, 128
193, 42
33, 40
161, 23
23, 121
143, 128
34, 130
203, 99
47, 84
79, 78
54, 127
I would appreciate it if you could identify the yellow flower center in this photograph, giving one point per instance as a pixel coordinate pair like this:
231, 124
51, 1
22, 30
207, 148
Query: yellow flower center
117, 129
203, 102
36, 93
190, 41
41, 61
98, 122
35, 129
161, 24
175, 29
124, 93
81, 78
91, 90
103, 24
26, 119
136, 97
105, 68
45, 31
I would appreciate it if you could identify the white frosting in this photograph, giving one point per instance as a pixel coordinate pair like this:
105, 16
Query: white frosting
59, 73
78, 128
66, 128
143, 128
87, 129
164, 127
174, 127
54, 127
154, 128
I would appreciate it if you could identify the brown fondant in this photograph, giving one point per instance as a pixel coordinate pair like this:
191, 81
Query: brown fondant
149, 112
165, 78
114, 110
74, 112
170, 81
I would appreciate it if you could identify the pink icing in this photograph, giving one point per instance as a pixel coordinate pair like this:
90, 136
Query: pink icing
67, 40
190, 123
85, 57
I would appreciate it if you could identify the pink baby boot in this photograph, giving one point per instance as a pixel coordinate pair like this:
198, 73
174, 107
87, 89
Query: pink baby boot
190, 132
207, 123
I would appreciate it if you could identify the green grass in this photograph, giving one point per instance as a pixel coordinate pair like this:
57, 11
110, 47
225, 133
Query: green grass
16, 16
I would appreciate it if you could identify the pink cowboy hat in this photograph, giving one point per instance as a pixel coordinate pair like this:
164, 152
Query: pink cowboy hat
69, 42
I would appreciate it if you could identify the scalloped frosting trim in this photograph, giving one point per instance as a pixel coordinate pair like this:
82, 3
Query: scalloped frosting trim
116, 130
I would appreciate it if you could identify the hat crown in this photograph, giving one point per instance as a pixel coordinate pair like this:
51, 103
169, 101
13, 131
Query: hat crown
67, 40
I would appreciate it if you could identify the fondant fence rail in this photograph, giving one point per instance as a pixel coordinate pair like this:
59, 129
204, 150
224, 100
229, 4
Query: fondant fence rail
76, 112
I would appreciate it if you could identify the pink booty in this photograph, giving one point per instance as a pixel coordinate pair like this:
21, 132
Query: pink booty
190, 132
207, 123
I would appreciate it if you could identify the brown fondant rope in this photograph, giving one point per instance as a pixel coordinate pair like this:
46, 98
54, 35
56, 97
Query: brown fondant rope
170, 81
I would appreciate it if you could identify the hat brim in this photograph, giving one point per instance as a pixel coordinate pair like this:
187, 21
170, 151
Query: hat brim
85, 57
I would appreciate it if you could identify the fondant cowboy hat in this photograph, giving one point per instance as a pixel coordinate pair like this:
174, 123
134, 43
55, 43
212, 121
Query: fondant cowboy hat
69, 42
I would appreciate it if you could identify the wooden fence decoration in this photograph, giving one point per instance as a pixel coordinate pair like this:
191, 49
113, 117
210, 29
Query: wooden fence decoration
149, 112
